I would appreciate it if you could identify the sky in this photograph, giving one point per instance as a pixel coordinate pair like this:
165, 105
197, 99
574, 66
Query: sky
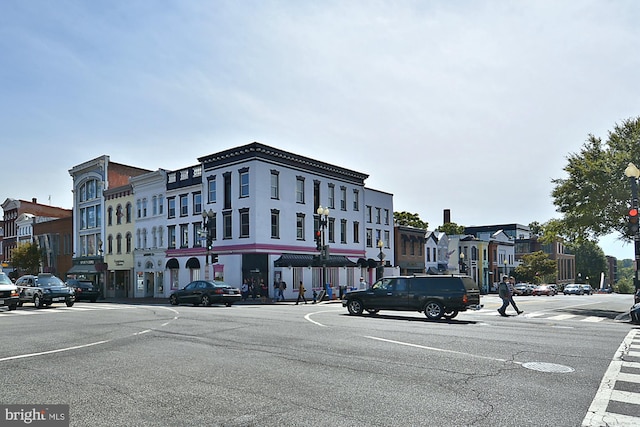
471, 106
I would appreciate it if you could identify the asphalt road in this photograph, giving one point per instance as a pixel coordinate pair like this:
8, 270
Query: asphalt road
314, 365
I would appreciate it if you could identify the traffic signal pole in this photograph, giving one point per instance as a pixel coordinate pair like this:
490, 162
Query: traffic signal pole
633, 174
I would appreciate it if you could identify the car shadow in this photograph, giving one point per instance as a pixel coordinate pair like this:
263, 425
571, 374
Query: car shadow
590, 312
416, 319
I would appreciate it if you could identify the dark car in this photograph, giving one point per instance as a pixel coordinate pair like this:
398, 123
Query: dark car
84, 289
573, 289
587, 289
523, 289
44, 290
8, 292
435, 295
206, 292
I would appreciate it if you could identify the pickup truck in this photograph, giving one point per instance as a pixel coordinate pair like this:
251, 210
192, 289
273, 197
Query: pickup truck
44, 290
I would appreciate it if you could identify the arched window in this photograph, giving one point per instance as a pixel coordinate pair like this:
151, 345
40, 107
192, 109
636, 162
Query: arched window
138, 239
110, 244
129, 207
128, 243
119, 243
110, 215
119, 214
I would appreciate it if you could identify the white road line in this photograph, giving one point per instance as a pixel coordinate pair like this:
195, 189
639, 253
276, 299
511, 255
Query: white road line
561, 317
22, 356
593, 319
534, 314
597, 414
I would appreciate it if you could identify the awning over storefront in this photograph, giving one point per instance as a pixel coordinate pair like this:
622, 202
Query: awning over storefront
367, 263
193, 263
172, 263
304, 260
83, 269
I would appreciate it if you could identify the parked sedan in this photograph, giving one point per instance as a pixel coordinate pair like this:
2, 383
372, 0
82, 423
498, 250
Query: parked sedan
523, 289
85, 290
544, 290
573, 289
206, 292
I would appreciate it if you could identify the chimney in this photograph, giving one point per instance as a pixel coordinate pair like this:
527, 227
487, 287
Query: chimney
34, 200
447, 216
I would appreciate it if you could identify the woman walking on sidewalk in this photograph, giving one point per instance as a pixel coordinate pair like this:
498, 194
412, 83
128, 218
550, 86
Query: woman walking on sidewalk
301, 293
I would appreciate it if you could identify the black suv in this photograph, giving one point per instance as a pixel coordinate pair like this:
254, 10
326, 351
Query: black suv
435, 295
84, 289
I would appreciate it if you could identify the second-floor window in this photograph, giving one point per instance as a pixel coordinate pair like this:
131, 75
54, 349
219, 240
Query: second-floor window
275, 224
227, 224
343, 198
197, 203
356, 200
244, 222
184, 235
300, 226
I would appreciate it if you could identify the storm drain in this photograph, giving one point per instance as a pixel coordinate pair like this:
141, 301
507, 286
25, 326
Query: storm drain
547, 367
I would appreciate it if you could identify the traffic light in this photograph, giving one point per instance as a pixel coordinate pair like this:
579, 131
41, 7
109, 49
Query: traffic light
209, 243
633, 220
318, 240
214, 258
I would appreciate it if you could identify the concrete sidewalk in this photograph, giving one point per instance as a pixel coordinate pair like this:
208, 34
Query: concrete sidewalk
165, 301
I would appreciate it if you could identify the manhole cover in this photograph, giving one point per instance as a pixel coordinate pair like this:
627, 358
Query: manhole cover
547, 367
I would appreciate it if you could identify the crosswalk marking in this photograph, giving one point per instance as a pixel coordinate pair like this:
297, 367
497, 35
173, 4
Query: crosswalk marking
549, 316
598, 413
562, 317
61, 309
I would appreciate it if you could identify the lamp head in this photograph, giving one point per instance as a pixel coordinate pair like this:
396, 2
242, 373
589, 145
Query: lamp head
632, 171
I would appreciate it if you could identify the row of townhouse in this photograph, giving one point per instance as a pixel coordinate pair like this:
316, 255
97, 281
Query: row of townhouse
140, 233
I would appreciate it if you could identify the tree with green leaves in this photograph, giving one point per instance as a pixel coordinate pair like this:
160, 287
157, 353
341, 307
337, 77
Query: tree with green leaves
26, 258
409, 220
590, 261
451, 229
536, 268
594, 198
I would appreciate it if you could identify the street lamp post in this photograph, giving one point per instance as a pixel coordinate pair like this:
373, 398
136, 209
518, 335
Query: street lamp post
208, 223
323, 220
381, 256
633, 173
506, 264
461, 268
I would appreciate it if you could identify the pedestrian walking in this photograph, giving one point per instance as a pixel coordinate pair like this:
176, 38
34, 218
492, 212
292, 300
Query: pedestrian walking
505, 294
244, 290
301, 290
511, 284
276, 290
264, 291
282, 286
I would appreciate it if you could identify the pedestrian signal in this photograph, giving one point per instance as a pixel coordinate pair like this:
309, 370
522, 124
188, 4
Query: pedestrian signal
633, 220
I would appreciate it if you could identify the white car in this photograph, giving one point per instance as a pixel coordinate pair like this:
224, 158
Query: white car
8, 292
